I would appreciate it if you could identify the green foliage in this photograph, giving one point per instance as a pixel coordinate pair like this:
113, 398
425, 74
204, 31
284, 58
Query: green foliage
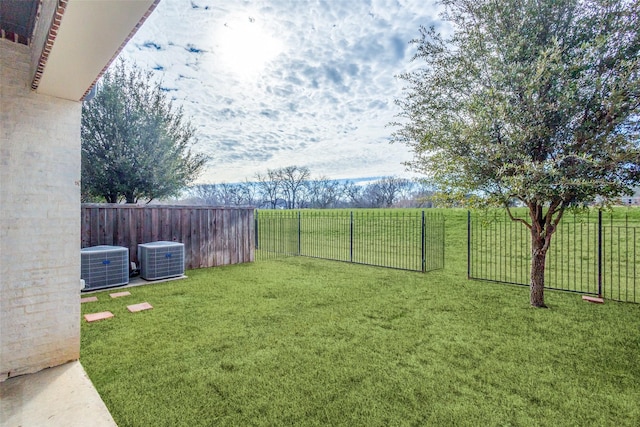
135, 144
530, 100
300, 341
536, 101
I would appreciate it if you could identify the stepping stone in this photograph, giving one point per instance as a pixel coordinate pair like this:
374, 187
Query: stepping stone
94, 317
595, 300
120, 294
139, 307
88, 299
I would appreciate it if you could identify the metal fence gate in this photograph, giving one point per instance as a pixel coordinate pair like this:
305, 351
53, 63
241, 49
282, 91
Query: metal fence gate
592, 253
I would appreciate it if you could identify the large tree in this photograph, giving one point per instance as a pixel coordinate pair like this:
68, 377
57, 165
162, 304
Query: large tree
322, 193
292, 180
534, 100
269, 186
135, 144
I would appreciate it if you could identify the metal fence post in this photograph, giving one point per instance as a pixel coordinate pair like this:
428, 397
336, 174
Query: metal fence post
599, 253
442, 239
255, 228
468, 244
299, 233
422, 244
351, 236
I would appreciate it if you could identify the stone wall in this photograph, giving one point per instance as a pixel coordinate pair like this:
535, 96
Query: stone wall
39, 221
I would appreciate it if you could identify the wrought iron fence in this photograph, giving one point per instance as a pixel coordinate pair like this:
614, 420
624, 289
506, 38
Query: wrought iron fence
401, 239
592, 253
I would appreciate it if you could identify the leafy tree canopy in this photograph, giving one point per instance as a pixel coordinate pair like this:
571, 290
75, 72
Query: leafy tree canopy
534, 100
135, 144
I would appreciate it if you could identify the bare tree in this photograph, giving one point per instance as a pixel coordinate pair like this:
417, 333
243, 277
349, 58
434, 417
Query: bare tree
323, 193
422, 194
292, 180
226, 194
206, 194
386, 192
251, 193
354, 194
269, 187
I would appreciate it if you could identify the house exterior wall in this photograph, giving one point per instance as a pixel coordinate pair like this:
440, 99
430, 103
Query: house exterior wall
39, 221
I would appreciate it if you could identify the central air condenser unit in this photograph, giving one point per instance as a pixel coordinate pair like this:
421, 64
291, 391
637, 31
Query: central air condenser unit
160, 260
104, 266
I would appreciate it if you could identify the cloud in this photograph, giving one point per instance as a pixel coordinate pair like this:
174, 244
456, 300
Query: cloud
321, 98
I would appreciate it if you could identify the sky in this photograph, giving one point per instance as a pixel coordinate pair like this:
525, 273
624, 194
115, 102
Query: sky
269, 84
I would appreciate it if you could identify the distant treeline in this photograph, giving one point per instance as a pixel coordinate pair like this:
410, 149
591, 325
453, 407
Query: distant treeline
292, 187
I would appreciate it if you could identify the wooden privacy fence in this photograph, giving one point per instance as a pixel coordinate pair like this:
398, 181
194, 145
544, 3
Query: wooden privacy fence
212, 236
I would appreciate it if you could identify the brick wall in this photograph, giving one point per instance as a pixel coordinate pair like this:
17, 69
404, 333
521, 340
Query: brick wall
39, 221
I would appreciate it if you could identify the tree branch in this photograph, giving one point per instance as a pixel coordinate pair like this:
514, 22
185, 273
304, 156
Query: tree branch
526, 224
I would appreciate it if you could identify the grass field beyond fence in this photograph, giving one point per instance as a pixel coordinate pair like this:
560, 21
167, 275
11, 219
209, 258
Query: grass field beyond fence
406, 239
302, 341
591, 252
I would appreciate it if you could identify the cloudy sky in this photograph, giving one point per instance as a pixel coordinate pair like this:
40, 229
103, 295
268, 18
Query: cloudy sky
286, 82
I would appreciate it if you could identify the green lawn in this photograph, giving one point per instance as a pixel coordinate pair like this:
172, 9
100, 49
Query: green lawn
301, 341
501, 252
382, 237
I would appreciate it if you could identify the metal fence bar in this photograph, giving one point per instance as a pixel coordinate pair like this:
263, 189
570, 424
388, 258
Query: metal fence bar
599, 259
401, 240
351, 236
588, 255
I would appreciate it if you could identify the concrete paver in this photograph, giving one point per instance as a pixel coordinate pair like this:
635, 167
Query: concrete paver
94, 317
139, 307
120, 294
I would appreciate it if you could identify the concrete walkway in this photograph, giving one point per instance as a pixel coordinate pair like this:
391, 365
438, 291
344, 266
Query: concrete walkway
62, 396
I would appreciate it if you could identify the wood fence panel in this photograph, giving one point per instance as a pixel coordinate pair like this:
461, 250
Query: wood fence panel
176, 225
185, 221
155, 225
165, 219
249, 243
212, 236
202, 232
194, 222
134, 237
122, 218
139, 220
225, 238
230, 236
237, 223
218, 237
110, 219
211, 221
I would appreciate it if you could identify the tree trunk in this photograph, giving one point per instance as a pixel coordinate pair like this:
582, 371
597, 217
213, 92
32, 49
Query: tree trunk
538, 259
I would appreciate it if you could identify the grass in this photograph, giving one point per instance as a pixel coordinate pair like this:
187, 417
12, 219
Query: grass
382, 237
500, 250
300, 341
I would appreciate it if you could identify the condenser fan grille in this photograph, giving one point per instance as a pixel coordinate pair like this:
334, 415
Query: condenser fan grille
159, 260
104, 266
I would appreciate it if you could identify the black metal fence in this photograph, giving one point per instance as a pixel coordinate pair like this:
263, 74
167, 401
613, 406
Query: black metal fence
592, 253
407, 240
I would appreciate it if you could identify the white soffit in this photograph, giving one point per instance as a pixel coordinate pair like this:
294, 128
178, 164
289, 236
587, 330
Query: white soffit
90, 33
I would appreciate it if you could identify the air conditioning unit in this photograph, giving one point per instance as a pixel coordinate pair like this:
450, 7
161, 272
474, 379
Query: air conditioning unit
104, 266
160, 260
